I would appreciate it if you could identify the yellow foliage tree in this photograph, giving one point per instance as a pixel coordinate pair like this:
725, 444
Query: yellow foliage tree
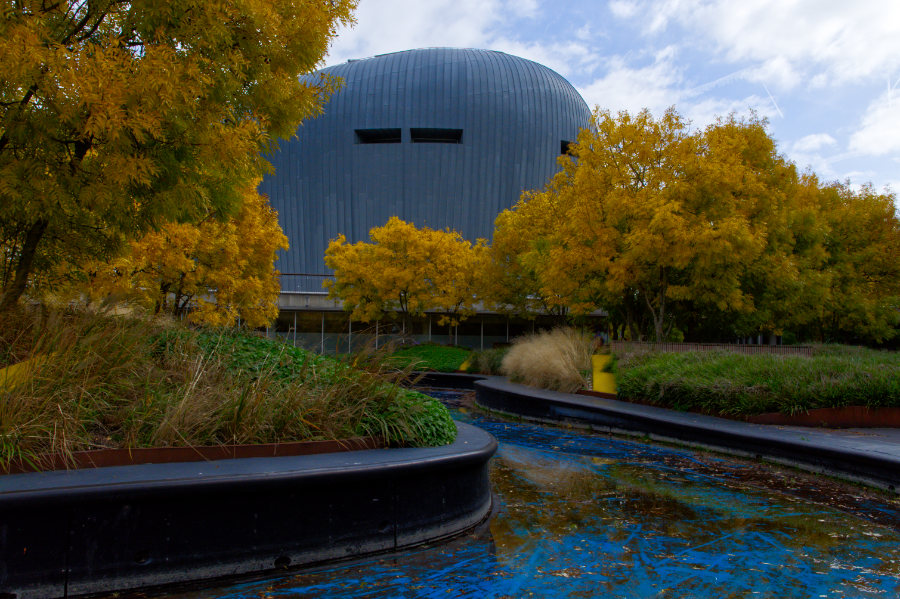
117, 117
863, 264
649, 213
213, 272
407, 270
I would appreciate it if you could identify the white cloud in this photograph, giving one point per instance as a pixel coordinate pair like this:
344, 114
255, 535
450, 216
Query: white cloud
656, 86
394, 25
818, 40
813, 142
623, 9
523, 8
705, 112
879, 132
584, 33
565, 57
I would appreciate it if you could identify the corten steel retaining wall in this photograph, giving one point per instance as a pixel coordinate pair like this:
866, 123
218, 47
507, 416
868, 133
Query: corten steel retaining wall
98, 530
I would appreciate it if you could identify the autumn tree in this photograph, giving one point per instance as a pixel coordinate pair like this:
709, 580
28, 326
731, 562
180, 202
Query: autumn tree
652, 214
404, 269
117, 117
518, 259
862, 264
214, 272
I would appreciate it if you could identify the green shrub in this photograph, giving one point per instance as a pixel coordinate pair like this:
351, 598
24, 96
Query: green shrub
488, 361
736, 384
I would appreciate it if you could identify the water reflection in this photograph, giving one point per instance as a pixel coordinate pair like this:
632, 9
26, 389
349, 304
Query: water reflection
589, 516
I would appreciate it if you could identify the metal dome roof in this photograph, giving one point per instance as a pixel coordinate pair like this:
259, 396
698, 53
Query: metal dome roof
442, 137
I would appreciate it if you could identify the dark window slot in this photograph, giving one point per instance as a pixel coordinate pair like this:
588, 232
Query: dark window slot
436, 136
378, 136
565, 146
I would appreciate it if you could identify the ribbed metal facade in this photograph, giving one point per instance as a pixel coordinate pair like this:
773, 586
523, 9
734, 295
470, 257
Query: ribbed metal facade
508, 114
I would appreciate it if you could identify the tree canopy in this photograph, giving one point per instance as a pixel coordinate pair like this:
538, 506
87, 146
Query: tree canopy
406, 269
710, 232
119, 116
214, 272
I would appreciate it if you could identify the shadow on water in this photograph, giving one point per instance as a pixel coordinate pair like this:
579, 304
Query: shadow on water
583, 515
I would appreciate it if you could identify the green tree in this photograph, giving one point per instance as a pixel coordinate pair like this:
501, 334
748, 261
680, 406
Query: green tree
117, 117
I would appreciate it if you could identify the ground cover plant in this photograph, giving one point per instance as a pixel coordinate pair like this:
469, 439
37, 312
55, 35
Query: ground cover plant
431, 356
487, 361
733, 384
99, 381
559, 360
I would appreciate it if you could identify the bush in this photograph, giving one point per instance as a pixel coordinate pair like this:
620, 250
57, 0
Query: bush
559, 360
728, 383
488, 361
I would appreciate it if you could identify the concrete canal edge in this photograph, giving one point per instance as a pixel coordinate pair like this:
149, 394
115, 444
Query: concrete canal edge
78, 532
859, 459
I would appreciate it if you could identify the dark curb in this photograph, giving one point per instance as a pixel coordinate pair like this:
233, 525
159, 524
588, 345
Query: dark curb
90, 531
859, 459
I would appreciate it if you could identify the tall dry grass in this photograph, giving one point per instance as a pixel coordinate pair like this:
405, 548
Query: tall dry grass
559, 360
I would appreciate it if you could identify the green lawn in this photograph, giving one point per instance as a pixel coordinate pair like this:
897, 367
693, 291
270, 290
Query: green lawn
429, 356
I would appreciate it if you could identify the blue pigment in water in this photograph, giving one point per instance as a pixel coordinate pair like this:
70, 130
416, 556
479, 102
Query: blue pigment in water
583, 515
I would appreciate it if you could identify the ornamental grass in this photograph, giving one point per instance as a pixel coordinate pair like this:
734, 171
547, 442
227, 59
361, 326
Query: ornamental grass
96, 381
559, 360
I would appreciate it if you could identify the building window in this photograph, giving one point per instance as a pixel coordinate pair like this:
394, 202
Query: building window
378, 136
565, 146
436, 136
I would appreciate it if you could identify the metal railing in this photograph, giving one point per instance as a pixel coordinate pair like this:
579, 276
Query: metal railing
302, 282
781, 350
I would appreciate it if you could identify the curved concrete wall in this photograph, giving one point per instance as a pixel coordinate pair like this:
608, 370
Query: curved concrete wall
509, 115
100, 530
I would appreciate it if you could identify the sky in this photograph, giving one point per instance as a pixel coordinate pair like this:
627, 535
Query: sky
825, 73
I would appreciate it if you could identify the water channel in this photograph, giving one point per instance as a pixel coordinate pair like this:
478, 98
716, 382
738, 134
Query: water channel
585, 515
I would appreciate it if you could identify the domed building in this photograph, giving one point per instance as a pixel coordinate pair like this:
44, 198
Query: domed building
440, 137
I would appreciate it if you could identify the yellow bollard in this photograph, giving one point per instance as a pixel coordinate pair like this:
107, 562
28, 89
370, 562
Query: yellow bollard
604, 382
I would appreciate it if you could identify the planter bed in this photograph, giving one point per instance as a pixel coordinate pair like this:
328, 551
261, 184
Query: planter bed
100, 458
842, 417
98, 530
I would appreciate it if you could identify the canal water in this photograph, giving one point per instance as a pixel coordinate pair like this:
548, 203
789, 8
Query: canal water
585, 515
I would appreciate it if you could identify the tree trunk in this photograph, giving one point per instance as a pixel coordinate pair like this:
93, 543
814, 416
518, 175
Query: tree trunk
33, 237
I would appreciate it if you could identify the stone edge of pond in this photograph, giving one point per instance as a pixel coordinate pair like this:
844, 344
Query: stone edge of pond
83, 532
862, 460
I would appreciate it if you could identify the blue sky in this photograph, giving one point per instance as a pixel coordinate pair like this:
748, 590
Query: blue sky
825, 73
